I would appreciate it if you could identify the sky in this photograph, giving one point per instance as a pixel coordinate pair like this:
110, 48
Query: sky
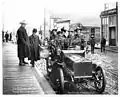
85, 11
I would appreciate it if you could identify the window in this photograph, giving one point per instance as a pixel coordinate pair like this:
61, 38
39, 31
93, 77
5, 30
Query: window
105, 20
112, 20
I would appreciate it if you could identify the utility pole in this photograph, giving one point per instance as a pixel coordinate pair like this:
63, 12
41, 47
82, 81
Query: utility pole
3, 21
50, 24
117, 22
44, 23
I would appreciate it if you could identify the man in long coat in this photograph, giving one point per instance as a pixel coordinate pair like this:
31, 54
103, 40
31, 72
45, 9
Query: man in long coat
7, 36
103, 43
92, 42
34, 47
23, 44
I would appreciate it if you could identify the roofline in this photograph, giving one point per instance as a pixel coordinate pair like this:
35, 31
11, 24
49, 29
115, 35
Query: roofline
93, 26
62, 21
104, 13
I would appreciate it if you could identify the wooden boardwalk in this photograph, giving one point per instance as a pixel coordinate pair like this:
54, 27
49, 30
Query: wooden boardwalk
17, 79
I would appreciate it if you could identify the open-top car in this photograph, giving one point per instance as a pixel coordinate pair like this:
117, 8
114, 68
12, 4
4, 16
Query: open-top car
66, 68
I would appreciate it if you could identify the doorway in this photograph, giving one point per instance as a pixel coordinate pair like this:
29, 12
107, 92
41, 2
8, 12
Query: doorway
112, 36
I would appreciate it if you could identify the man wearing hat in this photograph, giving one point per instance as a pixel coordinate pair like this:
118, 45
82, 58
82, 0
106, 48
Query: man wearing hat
34, 47
23, 44
92, 42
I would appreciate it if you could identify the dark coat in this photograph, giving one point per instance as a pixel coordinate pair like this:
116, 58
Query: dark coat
23, 43
92, 42
103, 42
34, 47
6, 35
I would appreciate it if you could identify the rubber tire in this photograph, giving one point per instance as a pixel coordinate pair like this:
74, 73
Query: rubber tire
61, 79
100, 90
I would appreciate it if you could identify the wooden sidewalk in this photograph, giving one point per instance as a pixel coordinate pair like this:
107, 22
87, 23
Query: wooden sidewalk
18, 79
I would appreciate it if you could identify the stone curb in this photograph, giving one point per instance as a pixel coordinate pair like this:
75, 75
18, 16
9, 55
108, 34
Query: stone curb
43, 82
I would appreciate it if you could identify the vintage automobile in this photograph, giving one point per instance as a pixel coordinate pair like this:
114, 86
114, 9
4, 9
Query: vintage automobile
70, 67
66, 68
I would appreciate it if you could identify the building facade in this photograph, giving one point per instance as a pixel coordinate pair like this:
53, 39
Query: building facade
63, 23
87, 31
109, 26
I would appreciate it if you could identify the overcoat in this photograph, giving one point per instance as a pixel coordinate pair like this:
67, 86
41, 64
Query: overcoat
34, 47
23, 43
92, 42
103, 42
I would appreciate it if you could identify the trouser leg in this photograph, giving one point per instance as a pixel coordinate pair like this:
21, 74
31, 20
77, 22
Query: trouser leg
93, 49
104, 49
101, 48
32, 61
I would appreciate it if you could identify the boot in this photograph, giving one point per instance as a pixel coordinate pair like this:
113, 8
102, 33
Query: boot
24, 61
21, 62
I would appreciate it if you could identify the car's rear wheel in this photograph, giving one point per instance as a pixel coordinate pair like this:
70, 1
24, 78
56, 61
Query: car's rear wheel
99, 82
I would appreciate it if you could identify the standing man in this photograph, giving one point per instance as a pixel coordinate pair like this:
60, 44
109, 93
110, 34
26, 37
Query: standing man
10, 36
34, 47
7, 36
82, 45
23, 44
3, 36
92, 42
103, 43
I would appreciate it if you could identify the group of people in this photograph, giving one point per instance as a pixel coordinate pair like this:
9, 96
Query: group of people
8, 37
65, 40
74, 39
28, 46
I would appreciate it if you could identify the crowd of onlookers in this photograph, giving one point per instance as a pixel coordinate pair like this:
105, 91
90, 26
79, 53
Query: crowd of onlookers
7, 37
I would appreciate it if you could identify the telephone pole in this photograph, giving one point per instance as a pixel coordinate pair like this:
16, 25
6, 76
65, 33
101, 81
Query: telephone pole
117, 20
3, 3
44, 23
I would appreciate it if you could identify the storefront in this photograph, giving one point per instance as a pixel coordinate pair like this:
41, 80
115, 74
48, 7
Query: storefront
109, 26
